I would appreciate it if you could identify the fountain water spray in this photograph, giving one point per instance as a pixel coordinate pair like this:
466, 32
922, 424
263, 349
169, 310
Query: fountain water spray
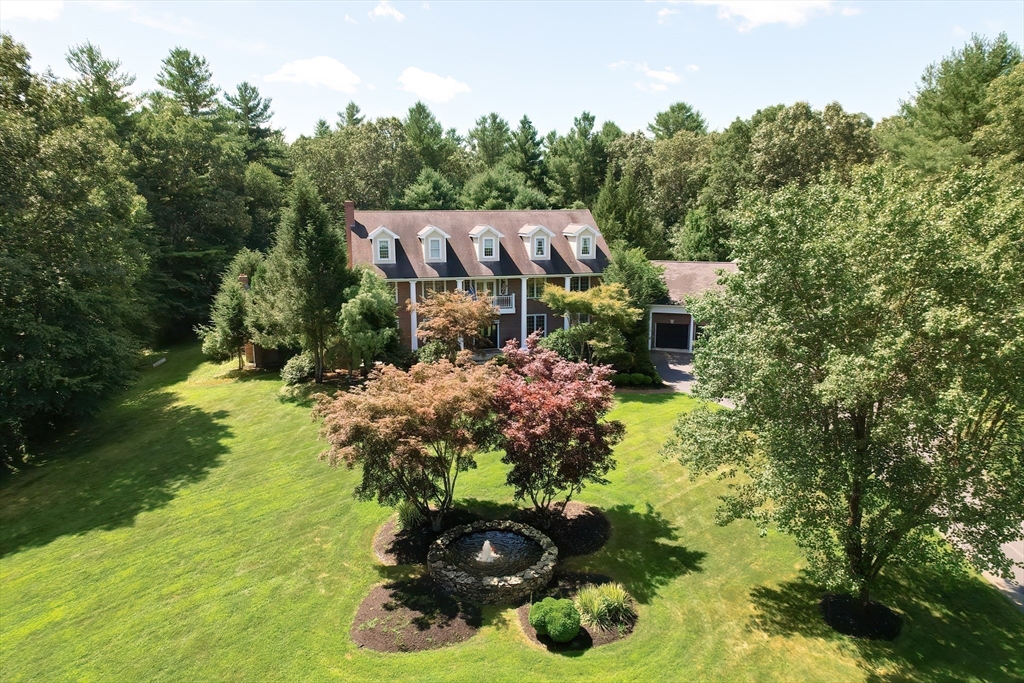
487, 553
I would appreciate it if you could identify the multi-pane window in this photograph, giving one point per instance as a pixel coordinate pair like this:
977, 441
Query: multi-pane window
393, 286
579, 284
540, 247
488, 247
535, 287
435, 249
384, 250
535, 323
585, 245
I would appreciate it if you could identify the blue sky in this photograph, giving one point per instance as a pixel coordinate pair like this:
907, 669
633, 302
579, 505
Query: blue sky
622, 61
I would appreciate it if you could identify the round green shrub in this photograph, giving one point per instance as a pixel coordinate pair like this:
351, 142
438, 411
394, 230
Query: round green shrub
298, 368
539, 615
639, 379
563, 621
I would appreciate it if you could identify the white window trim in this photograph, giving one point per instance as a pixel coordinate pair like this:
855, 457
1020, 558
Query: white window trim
427, 235
542, 242
431, 244
488, 243
379, 235
384, 243
533, 317
586, 245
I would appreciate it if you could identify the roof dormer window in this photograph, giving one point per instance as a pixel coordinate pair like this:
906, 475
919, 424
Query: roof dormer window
487, 242
583, 240
435, 241
383, 241
537, 240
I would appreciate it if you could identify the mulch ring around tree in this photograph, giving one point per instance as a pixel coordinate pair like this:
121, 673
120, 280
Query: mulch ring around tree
565, 585
411, 615
844, 614
394, 546
580, 530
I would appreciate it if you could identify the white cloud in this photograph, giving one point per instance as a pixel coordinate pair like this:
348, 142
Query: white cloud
657, 79
850, 11
664, 13
325, 71
36, 10
384, 10
431, 86
350, 20
164, 22
748, 14
692, 68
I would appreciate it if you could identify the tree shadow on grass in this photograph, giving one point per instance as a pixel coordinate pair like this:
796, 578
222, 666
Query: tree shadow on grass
432, 606
652, 398
133, 459
641, 553
955, 627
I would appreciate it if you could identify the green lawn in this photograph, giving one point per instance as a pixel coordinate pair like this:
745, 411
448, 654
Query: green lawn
190, 534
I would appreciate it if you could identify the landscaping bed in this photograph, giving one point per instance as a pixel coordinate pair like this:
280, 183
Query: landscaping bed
565, 585
412, 615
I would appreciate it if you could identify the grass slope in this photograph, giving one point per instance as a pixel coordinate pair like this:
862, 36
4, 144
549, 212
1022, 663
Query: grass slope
190, 534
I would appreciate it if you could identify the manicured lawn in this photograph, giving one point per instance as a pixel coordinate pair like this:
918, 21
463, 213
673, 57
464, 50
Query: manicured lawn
190, 534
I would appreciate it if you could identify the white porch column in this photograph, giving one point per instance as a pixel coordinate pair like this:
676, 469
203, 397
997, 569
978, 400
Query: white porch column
415, 322
565, 318
458, 285
693, 327
522, 319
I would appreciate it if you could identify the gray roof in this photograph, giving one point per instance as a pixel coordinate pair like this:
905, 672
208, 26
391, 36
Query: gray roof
462, 261
689, 278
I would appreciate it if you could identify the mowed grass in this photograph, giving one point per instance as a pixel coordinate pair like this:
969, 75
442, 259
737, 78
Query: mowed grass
190, 534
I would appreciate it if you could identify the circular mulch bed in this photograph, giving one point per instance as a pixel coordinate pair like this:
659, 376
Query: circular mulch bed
412, 615
580, 530
394, 546
565, 585
844, 614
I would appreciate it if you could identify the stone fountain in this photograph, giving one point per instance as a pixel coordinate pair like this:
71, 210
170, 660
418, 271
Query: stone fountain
492, 562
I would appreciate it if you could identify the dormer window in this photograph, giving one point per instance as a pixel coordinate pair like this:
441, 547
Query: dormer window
435, 241
583, 240
487, 242
537, 240
383, 241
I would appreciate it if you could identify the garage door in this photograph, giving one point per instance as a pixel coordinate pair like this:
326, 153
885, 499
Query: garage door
669, 336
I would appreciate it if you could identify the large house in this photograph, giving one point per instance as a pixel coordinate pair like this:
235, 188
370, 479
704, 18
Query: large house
507, 255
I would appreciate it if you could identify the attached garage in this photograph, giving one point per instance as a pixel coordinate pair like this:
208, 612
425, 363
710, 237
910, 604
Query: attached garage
671, 331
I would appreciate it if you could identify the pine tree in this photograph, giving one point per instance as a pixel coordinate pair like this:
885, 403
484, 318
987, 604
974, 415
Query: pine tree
187, 77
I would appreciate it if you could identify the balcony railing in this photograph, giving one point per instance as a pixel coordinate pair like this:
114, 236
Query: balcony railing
506, 303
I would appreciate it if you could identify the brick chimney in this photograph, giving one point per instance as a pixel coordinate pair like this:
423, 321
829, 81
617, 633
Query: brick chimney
244, 279
350, 219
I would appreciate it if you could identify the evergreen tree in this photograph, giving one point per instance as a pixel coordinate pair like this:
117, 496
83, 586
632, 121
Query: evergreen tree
187, 78
264, 197
309, 273
351, 116
490, 139
252, 112
576, 163
430, 191
102, 87
368, 322
526, 154
227, 333
322, 128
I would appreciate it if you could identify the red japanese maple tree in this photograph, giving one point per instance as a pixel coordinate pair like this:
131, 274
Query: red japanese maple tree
550, 414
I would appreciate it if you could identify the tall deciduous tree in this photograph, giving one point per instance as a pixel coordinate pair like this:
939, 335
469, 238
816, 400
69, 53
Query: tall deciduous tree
454, 318
550, 413
73, 234
871, 344
679, 116
186, 76
309, 274
412, 433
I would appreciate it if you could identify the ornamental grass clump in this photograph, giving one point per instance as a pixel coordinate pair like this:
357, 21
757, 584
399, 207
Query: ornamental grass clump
607, 606
557, 619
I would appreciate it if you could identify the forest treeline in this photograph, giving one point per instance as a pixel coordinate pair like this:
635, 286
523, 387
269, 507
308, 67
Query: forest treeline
120, 214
